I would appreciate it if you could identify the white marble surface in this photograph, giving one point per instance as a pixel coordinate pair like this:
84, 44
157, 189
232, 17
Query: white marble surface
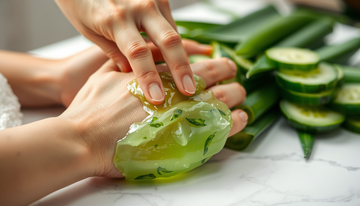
271, 171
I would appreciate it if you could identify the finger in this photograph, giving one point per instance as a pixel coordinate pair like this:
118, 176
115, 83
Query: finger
136, 50
191, 47
231, 94
165, 10
170, 44
215, 70
112, 51
239, 121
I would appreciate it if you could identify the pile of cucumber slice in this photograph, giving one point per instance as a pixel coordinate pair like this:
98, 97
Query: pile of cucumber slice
285, 64
315, 96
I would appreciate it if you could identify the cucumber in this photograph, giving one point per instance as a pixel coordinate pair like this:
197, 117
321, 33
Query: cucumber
352, 123
321, 79
293, 58
311, 119
347, 99
309, 99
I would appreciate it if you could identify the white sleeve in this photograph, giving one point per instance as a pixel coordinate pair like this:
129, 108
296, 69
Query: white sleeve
10, 115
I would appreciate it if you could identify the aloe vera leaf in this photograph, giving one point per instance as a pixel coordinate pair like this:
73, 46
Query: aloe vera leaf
260, 101
351, 74
307, 142
240, 29
304, 37
270, 34
243, 139
339, 53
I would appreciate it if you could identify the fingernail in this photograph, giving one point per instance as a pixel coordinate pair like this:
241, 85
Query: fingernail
188, 84
243, 116
155, 92
232, 65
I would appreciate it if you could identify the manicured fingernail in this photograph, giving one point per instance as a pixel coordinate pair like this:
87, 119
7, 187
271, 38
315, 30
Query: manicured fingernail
232, 65
188, 85
156, 93
243, 116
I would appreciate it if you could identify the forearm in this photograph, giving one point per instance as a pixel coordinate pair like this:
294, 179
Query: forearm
39, 158
33, 80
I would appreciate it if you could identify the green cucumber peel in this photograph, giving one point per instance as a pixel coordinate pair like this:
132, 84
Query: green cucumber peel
347, 99
323, 78
352, 123
312, 119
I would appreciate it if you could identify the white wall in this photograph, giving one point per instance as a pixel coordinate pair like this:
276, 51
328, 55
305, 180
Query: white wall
29, 24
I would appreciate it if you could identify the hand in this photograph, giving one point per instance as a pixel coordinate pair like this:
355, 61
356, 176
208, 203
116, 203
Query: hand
115, 26
78, 68
103, 110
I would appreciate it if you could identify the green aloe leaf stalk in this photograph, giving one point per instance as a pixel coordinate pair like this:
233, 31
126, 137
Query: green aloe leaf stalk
270, 34
307, 142
305, 37
239, 29
339, 53
243, 139
260, 101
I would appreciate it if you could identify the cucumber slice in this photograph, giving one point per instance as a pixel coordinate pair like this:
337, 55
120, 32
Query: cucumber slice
293, 58
352, 123
347, 99
311, 119
309, 99
321, 79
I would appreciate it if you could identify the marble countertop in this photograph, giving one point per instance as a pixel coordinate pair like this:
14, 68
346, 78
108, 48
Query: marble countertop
272, 171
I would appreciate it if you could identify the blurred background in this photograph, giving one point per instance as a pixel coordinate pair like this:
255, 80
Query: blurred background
29, 24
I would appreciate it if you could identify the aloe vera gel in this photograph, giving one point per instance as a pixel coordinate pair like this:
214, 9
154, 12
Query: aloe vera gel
179, 135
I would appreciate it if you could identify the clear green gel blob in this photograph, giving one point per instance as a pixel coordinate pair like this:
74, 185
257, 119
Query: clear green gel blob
179, 135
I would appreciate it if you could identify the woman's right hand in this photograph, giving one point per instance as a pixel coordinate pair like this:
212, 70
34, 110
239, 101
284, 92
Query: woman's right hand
103, 110
115, 26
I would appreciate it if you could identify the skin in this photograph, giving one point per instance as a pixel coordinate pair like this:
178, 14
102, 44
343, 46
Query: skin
115, 26
44, 156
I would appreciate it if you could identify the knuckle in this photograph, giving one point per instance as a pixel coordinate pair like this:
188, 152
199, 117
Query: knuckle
211, 70
148, 74
180, 66
137, 50
112, 17
220, 95
170, 39
145, 5
163, 3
